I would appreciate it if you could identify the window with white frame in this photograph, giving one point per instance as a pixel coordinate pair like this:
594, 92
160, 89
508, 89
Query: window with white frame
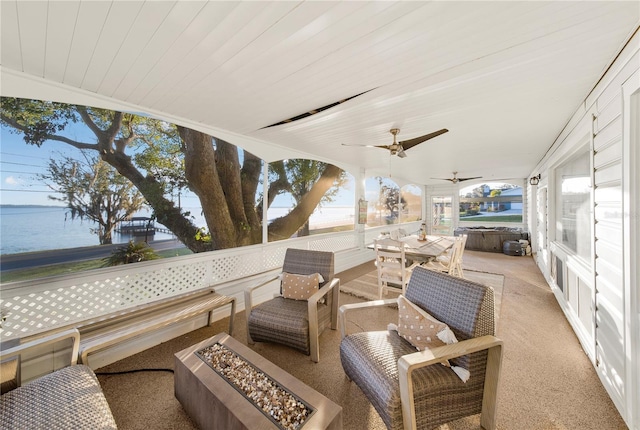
573, 203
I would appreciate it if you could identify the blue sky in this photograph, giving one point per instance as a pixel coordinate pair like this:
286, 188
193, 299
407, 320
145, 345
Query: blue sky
20, 165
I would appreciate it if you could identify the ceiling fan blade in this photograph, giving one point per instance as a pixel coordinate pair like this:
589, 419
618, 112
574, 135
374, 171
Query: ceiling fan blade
368, 146
408, 144
454, 180
468, 179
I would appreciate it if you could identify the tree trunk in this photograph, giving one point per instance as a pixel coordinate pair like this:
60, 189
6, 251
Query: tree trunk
106, 237
202, 176
304, 230
226, 191
284, 227
228, 167
250, 176
166, 212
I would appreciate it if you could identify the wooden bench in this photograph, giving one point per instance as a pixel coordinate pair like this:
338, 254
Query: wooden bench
114, 328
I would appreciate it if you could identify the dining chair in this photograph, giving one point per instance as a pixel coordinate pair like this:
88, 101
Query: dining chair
392, 266
457, 270
451, 263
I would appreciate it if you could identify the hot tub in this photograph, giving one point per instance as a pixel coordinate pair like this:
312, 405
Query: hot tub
489, 239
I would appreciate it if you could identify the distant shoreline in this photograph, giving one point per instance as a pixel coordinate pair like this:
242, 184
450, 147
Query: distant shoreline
9, 205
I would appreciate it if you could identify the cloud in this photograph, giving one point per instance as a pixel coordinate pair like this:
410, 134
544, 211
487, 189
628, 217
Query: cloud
10, 180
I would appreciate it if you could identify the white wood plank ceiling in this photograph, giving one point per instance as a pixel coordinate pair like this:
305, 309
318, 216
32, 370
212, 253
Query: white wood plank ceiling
503, 77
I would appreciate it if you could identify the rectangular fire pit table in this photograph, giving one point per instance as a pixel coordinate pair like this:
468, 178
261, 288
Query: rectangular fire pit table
213, 403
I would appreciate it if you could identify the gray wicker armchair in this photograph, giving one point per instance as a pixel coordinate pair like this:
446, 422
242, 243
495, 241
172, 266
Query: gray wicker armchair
66, 398
412, 389
297, 323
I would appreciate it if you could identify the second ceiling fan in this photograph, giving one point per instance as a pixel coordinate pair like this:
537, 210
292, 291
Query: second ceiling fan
398, 148
455, 178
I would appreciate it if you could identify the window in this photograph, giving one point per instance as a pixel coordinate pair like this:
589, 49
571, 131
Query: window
383, 204
289, 183
496, 202
411, 196
388, 204
573, 204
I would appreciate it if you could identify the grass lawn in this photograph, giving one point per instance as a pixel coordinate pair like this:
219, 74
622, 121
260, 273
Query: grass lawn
496, 218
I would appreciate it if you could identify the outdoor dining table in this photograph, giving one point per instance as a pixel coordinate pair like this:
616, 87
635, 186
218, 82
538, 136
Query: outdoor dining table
423, 250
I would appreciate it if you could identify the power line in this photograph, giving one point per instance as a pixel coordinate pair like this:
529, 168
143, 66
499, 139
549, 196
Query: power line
20, 164
33, 191
15, 171
22, 155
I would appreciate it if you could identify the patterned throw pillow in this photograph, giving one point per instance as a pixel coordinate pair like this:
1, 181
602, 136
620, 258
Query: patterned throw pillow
300, 287
421, 329
425, 332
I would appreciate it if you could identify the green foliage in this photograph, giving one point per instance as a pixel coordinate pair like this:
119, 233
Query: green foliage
93, 190
161, 159
470, 212
155, 144
73, 267
203, 235
131, 253
41, 119
390, 199
297, 176
161, 155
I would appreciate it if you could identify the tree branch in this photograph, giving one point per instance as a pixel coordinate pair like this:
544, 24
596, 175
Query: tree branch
82, 110
80, 145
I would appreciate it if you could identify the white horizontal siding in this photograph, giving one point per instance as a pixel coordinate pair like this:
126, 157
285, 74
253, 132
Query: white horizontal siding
607, 155
611, 230
609, 254
608, 251
608, 112
612, 132
612, 87
609, 286
609, 195
609, 173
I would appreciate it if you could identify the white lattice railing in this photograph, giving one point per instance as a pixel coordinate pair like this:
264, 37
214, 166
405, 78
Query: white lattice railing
49, 303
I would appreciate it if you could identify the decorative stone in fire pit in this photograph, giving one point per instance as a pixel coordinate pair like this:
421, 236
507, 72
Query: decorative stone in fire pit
277, 403
239, 389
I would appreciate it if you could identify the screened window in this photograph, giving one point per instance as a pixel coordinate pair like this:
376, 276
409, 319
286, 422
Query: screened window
573, 204
382, 201
496, 202
290, 184
411, 199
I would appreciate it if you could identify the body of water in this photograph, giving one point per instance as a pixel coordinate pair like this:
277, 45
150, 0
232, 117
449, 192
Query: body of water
40, 228
329, 216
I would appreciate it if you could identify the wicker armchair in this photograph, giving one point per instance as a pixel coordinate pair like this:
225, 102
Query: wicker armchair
66, 398
297, 323
412, 389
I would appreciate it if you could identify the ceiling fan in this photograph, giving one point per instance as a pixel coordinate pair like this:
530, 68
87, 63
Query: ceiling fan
398, 148
455, 178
